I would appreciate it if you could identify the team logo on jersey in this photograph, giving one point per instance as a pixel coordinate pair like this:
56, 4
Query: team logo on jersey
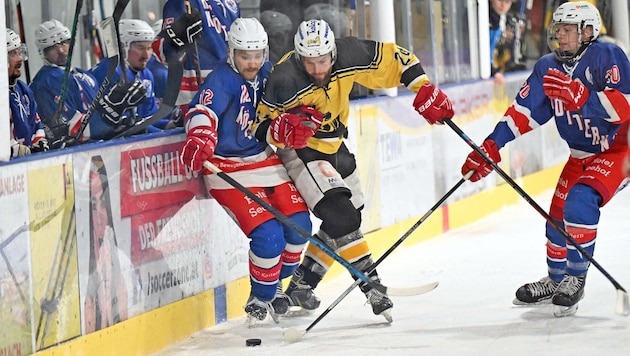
589, 75
231, 5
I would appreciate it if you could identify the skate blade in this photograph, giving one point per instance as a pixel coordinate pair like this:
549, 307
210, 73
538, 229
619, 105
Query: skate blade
274, 317
253, 322
295, 312
387, 314
521, 303
560, 311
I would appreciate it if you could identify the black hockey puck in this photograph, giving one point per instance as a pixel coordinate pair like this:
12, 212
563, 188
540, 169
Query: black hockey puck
252, 342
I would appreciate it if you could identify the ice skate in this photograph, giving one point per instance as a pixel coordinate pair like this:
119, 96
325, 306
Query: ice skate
536, 293
257, 311
301, 295
281, 301
381, 304
570, 291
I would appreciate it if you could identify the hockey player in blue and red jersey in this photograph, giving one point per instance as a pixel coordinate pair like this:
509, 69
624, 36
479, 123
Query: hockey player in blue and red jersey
137, 90
217, 126
584, 86
206, 23
53, 41
27, 132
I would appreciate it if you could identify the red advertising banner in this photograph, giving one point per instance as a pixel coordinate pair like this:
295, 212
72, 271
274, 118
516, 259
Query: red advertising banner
158, 233
153, 177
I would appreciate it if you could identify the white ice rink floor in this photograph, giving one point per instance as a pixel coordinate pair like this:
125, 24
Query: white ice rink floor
479, 268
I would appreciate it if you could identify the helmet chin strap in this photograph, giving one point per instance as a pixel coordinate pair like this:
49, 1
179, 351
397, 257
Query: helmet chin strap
578, 54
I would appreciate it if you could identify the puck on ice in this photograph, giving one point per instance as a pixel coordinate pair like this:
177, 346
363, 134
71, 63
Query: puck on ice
252, 342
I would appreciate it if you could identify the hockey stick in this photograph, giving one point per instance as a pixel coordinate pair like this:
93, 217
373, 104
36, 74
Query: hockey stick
174, 78
122, 54
518, 54
110, 36
32, 226
95, 48
289, 223
20, 19
293, 334
194, 52
62, 260
66, 71
623, 304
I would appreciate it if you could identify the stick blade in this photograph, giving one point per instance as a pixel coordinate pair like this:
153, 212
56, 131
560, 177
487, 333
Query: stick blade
293, 335
109, 37
623, 305
411, 291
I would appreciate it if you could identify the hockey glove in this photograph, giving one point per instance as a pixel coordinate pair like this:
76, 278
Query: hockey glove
199, 147
558, 85
433, 104
19, 150
475, 162
294, 128
40, 146
121, 97
184, 30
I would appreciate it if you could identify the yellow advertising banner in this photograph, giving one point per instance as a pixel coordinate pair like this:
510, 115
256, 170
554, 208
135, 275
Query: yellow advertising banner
54, 255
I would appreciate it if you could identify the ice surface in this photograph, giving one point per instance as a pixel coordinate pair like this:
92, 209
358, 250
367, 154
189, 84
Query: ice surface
479, 268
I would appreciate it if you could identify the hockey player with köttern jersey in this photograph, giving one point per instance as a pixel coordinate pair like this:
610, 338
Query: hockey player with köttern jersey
583, 86
217, 127
320, 73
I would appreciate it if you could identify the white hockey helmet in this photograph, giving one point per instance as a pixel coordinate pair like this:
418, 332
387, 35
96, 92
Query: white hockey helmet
14, 42
314, 38
581, 13
134, 30
247, 34
50, 33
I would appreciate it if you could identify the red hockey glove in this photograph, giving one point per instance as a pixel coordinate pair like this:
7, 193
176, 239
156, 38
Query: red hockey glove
560, 86
474, 161
199, 147
294, 128
433, 104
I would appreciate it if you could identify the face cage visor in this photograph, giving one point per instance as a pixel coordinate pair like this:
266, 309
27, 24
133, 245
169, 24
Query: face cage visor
569, 55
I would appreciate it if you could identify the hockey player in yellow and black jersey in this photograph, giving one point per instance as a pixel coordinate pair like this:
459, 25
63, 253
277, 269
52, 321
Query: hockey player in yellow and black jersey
319, 75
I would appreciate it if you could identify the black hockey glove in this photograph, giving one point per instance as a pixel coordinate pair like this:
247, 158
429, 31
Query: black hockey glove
121, 97
184, 30
40, 146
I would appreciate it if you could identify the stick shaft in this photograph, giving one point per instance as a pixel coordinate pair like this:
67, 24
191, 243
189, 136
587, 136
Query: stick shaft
533, 203
391, 249
288, 222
